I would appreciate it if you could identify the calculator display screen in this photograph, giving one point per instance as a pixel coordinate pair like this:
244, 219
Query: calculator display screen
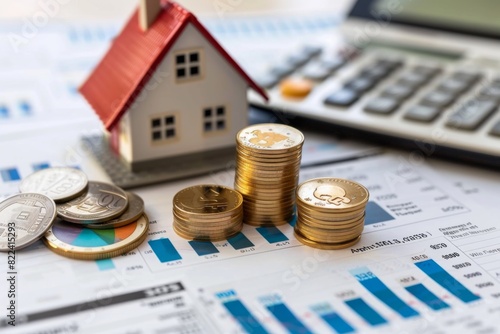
478, 17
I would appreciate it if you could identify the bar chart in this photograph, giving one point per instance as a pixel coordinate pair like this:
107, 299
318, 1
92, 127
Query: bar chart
419, 288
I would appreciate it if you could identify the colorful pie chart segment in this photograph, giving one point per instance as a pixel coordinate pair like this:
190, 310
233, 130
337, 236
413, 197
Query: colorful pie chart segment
84, 237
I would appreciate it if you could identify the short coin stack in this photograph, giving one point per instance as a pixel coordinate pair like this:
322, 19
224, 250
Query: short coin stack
96, 220
207, 213
267, 172
330, 212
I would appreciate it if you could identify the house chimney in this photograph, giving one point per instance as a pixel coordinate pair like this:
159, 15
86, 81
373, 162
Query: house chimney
148, 11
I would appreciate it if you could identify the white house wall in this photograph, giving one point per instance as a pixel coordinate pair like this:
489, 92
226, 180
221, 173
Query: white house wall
221, 85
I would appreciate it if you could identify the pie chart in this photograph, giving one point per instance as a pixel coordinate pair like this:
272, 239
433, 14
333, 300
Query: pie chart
80, 242
80, 236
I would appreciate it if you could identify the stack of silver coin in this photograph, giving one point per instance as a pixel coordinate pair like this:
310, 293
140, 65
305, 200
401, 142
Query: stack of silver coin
64, 194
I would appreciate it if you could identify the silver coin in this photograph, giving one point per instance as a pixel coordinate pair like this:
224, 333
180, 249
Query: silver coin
133, 213
24, 218
101, 202
59, 183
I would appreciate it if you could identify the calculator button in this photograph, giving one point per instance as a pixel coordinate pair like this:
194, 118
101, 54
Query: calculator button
332, 64
375, 72
267, 80
315, 72
361, 84
398, 92
312, 50
382, 105
428, 71
391, 64
422, 113
495, 131
343, 97
438, 99
413, 79
454, 86
471, 115
295, 88
282, 70
492, 92
297, 59
469, 77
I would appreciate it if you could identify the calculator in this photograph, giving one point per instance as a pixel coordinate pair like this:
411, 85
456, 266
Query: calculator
423, 74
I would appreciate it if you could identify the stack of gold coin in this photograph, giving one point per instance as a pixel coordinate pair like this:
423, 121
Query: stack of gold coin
208, 213
330, 212
267, 172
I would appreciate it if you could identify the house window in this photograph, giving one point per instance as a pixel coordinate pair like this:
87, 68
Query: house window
163, 128
214, 119
188, 65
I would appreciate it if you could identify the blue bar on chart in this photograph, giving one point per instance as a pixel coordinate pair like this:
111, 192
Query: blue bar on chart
25, 107
443, 278
105, 264
40, 166
293, 221
240, 312
10, 174
164, 250
240, 241
365, 311
427, 297
4, 111
272, 234
333, 319
203, 247
283, 314
375, 214
373, 284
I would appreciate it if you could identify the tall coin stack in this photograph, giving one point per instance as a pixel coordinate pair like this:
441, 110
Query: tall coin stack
267, 172
330, 212
207, 213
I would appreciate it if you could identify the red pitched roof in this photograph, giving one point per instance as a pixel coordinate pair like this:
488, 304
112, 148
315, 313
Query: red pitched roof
133, 57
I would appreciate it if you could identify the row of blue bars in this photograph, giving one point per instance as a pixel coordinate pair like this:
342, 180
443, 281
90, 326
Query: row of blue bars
12, 173
23, 106
292, 323
166, 252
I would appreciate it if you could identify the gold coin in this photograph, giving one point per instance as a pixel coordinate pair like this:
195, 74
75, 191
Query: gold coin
206, 237
337, 223
329, 216
207, 200
307, 229
326, 246
270, 137
332, 193
267, 222
246, 160
208, 227
268, 164
200, 222
329, 238
268, 153
265, 156
267, 174
333, 228
249, 187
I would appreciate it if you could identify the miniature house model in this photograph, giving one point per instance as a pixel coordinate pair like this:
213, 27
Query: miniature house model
166, 88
